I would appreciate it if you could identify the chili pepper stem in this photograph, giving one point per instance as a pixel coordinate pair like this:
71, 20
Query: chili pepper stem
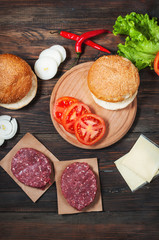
76, 60
52, 32
78, 54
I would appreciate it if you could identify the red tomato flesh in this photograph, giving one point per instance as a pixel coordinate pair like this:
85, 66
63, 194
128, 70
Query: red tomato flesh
60, 105
72, 113
89, 128
156, 64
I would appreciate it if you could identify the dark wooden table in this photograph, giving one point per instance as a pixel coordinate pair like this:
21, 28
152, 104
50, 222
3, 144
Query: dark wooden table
25, 31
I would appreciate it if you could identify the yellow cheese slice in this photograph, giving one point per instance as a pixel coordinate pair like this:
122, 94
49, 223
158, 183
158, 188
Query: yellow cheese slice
143, 159
131, 178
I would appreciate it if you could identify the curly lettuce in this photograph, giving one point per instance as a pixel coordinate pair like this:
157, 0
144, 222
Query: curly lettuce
142, 41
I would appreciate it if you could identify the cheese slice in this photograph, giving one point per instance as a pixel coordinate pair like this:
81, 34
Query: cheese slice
131, 178
143, 159
157, 174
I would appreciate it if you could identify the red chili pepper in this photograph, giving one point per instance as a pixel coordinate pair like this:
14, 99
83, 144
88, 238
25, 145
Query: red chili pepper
87, 35
88, 42
69, 35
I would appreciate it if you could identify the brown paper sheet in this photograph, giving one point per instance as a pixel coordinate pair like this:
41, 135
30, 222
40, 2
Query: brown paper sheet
31, 142
63, 205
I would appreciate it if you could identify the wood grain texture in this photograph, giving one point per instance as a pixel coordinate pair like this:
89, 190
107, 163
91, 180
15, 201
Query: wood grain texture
25, 31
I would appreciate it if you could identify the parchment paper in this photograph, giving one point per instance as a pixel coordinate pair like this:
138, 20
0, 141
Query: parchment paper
31, 142
63, 205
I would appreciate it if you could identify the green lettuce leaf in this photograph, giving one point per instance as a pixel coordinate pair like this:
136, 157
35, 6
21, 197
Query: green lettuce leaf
142, 41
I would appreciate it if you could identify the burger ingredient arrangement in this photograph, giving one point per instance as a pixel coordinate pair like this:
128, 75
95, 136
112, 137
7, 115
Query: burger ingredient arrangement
114, 92
142, 41
76, 118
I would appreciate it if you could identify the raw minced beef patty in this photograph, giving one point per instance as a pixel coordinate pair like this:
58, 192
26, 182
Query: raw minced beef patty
31, 167
79, 185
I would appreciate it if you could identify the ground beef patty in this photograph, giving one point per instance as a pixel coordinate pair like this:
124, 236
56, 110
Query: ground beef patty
78, 185
31, 167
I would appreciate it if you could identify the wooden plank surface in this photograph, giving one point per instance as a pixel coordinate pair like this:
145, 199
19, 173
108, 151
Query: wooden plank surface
25, 31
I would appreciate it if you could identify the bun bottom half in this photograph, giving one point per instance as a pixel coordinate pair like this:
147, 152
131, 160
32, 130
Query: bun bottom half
114, 105
25, 100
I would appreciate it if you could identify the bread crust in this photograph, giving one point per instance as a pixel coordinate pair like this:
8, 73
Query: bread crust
113, 78
25, 100
15, 78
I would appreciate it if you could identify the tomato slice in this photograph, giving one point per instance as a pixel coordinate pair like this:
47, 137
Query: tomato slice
60, 105
72, 113
156, 63
89, 128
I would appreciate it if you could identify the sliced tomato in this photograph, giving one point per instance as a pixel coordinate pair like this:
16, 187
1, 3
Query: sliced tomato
89, 128
72, 113
60, 105
156, 63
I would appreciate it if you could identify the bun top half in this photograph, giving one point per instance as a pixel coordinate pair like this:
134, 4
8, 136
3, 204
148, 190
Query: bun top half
113, 78
15, 78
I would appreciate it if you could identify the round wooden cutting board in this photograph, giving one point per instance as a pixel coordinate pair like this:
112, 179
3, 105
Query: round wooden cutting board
73, 83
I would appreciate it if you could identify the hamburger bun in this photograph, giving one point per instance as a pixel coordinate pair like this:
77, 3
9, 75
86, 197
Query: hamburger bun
113, 82
18, 83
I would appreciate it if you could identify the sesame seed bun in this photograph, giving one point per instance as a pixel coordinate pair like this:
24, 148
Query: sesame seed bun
18, 83
114, 80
